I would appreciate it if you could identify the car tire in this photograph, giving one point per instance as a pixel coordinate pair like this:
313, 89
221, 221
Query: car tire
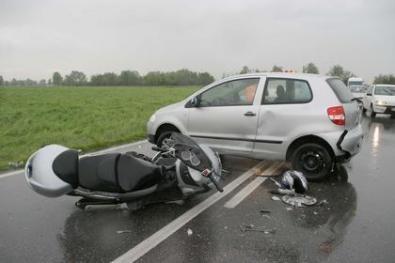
313, 160
372, 113
164, 139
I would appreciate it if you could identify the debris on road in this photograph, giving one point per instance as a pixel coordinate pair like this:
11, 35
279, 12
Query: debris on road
323, 202
123, 231
326, 247
275, 198
251, 227
189, 232
299, 200
16, 165
264, 211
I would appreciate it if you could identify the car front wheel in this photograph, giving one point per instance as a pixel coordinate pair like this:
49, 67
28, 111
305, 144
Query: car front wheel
165, 140
313, 160
372, 113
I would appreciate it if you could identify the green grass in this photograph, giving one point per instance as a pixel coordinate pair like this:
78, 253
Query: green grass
86, 118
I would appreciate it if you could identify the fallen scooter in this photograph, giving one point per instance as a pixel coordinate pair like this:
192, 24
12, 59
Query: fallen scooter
173, 174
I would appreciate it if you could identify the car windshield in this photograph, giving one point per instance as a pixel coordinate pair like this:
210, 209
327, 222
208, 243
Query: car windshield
356, 83
357, 89
385, 90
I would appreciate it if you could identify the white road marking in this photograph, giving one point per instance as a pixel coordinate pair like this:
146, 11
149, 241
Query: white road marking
162, 234
116, 148
247, 190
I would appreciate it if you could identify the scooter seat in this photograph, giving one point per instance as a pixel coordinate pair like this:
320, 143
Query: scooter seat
117, 173
136, 174
99, 172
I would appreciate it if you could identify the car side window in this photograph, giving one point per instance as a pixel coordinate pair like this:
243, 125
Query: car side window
231, 93
286, 91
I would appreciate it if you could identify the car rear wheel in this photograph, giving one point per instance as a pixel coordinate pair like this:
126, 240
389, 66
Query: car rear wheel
314, 160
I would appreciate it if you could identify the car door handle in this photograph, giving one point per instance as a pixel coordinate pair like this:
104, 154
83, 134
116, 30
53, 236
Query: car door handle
249, 114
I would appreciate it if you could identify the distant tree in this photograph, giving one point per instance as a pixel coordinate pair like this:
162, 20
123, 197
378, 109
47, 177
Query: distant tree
277, 69
57, 79
154, 78
75, 78
205, 78
1, 81
245, 70
106, 79
30, 82
129, 78
310, 68
384, 79
338, 71
49, 81
43, 82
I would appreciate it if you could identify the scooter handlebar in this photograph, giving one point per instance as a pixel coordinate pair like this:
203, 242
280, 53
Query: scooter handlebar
217, 185
158, 149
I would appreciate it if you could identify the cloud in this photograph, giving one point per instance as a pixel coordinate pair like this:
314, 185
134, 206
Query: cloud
39, 37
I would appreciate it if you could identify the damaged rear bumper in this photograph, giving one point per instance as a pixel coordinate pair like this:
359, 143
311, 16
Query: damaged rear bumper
349, 144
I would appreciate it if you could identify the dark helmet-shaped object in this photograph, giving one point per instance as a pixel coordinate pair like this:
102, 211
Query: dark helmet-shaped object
294, 180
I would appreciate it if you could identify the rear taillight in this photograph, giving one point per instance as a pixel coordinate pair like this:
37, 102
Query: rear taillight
336, 115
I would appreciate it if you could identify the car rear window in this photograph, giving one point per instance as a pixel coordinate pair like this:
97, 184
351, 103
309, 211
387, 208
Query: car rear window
342, 92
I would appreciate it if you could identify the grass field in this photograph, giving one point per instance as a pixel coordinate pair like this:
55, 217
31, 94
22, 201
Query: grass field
86, 118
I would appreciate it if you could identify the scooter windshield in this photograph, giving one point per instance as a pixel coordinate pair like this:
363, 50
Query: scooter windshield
190, 153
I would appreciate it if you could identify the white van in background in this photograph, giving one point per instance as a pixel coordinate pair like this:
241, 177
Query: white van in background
357, 87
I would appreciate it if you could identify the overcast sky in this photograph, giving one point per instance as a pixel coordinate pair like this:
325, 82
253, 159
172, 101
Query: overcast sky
43, 36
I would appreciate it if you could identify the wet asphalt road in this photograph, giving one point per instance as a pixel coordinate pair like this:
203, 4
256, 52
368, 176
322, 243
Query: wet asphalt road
354, 225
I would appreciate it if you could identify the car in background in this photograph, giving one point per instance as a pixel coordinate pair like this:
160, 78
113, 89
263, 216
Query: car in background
307, 119
358, 91
380, 98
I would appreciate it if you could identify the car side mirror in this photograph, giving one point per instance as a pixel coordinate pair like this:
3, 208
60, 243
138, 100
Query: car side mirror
195, 102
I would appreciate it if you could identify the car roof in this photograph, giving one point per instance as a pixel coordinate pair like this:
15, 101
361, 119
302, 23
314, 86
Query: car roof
305, 76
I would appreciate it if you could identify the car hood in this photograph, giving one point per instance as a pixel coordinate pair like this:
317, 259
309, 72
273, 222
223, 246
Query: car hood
387, 99
171, 107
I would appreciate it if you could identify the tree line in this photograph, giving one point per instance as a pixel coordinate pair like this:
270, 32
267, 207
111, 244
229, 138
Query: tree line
173, 78
125, 78
335, 71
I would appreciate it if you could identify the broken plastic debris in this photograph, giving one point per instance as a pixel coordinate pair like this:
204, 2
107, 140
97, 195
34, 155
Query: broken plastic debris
299, 200
282, 191
323, 202
189, 232
326, 247
16, 165
251, 227
124, 231
275, 198
264, 211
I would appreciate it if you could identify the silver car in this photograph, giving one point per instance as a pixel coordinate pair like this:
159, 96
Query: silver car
310, 120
